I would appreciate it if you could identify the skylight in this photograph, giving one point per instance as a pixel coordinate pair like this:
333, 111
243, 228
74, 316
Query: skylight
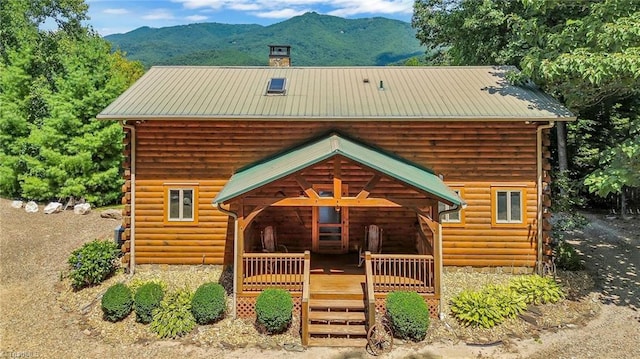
276, 85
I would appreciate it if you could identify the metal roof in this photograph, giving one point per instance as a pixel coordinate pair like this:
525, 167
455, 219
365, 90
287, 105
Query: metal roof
333, 93
294, 160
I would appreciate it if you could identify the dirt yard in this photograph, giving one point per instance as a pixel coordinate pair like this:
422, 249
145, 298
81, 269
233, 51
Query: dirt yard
37, 320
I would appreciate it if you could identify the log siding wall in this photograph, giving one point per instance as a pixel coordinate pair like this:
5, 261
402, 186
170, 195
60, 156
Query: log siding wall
473, 156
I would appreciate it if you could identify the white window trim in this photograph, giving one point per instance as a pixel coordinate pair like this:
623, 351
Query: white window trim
509, 220
181, 217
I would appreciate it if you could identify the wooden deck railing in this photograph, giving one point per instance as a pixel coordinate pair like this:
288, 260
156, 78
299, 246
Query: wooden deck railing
306, 294
370, 296
403, 272
272, 270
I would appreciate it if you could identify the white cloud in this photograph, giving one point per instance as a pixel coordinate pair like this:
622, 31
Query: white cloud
288, 8
196, 18
355, 7
159, 14
281, 14
119, 11
245, 7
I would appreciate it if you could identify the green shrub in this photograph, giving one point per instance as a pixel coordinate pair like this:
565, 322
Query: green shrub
136, 283
509, 302
409, 315
209, 303
117, 302
274, 309
92, 263
477, 308
147, 298
173, 317
536, 289
567, 258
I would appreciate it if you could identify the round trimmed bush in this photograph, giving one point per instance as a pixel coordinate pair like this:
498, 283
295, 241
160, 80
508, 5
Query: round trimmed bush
409, 315
117, 302
274, 310
208, 303
147, 298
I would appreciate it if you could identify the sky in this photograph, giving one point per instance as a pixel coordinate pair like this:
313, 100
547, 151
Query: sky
120, 16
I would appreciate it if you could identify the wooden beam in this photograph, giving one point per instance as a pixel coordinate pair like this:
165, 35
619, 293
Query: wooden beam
251, 216
364, 193
337, 179
307, 188
332, 202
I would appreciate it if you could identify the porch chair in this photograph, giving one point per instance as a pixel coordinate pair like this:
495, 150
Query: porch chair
269, 241
372, 242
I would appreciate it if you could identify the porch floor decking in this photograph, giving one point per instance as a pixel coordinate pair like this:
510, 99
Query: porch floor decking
327, 285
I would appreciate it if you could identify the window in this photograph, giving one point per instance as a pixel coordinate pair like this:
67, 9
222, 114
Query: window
276, 85
453, 217
181, 204
507, 206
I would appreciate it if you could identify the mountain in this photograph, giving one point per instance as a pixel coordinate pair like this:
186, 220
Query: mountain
316, 40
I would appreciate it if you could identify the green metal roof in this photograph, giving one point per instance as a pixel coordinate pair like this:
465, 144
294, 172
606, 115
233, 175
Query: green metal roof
376, 93
290, 162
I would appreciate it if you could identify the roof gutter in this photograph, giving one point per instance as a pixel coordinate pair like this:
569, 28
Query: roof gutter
132, 240
539, 213
361, 117
234, 215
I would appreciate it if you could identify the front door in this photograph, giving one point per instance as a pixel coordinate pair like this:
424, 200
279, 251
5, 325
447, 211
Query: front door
330, 230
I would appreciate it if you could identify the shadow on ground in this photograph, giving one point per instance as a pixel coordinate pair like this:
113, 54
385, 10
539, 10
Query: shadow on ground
610, 248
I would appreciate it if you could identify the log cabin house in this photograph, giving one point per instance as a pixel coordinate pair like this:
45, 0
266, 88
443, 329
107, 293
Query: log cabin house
452, 163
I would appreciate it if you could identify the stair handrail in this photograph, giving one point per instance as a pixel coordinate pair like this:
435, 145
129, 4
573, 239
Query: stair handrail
370, 294
304, 312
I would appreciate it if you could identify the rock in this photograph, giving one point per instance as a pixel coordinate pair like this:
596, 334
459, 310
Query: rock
53, 207
31, 207
534, 310
226, 345
111, 213
16, 204
292, 347
86, 332
529, 319
82, 208
85, 309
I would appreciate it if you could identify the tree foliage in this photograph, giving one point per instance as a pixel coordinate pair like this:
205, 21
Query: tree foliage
52, 85
585, 53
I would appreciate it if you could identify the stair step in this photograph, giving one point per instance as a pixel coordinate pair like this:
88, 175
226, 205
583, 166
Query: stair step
337, 316
336, 303
342, 296
336, 329
337, 342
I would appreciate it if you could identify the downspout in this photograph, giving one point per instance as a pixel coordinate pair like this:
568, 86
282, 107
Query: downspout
235, 252
132, 240
540, 193
455, 208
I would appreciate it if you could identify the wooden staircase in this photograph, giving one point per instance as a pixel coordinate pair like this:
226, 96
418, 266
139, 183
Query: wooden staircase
337, 319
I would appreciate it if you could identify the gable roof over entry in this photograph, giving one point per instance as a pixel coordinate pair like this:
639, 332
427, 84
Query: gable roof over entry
295, 160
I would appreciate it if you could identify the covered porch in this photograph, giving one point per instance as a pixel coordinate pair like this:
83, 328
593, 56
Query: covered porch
320, 197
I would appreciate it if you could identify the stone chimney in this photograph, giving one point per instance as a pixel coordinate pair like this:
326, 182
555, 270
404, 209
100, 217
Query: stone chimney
279, 55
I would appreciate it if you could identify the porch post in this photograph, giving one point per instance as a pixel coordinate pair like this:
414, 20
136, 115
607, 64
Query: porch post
239, 247
438, 285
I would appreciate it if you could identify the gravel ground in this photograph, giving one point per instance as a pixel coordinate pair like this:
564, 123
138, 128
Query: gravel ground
41, 317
